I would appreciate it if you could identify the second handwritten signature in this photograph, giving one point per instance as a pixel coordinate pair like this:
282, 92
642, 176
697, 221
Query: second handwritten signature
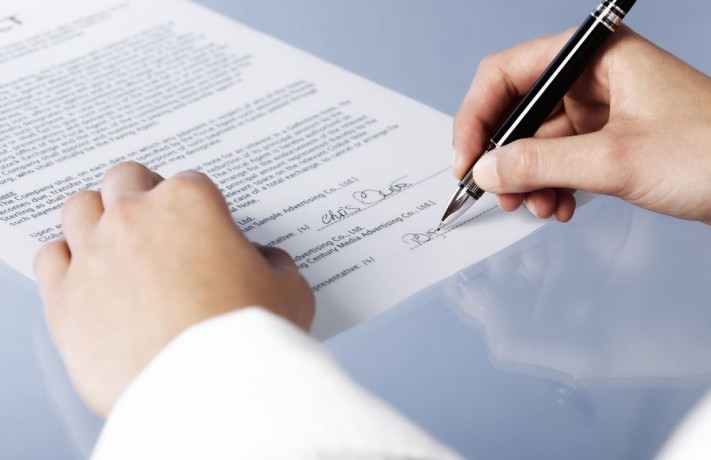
415, 240
372, 196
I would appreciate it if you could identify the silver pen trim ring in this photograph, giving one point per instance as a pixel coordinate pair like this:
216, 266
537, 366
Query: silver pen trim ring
609, 14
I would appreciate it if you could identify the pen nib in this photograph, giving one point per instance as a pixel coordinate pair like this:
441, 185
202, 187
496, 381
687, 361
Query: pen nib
440, 226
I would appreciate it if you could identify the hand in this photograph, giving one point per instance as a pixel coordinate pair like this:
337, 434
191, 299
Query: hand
636, 125
143, 260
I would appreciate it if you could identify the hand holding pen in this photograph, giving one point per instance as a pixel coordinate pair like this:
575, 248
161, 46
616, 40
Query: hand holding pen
636, 124
545, 93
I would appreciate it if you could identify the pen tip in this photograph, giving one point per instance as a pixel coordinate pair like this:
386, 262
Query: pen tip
440, 226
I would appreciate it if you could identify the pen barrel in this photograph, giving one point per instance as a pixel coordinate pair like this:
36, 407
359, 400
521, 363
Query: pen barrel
537, 105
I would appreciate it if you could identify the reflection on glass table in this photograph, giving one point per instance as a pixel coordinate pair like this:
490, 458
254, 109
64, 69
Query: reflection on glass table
585, 340
41, 417
606, 301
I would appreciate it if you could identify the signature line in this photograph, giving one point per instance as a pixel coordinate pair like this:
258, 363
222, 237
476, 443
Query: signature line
385, 199
449, 229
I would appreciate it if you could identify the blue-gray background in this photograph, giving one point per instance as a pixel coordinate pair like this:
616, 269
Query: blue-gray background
429, 49
582, 341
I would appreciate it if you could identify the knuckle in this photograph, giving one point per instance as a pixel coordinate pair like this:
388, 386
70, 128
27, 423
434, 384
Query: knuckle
188, 187
183, 186
467, 126
489, 62
195, 176
491, 65
521, 169
126, 167
619, 175
76, 201
80, 198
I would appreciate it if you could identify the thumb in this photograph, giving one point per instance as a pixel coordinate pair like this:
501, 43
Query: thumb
588, 162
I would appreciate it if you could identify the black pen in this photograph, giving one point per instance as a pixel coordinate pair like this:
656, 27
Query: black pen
545, 94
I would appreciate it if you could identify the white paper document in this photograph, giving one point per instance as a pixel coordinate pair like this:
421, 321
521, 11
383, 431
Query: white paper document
348, 177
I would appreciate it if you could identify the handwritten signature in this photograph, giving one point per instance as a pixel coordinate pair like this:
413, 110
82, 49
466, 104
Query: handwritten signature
335, 215
415, 240
372, 196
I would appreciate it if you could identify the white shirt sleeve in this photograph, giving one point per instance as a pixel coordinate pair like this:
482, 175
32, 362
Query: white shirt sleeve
691, 440
249, 385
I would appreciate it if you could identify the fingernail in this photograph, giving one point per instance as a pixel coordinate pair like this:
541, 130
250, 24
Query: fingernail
486, 174
531, 206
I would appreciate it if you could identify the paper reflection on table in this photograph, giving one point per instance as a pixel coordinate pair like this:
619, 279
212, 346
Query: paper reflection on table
617, 318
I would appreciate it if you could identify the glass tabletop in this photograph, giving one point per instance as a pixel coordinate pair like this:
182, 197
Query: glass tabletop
584, 340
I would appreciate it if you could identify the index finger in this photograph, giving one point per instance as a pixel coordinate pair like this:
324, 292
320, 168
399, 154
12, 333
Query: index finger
501, 79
